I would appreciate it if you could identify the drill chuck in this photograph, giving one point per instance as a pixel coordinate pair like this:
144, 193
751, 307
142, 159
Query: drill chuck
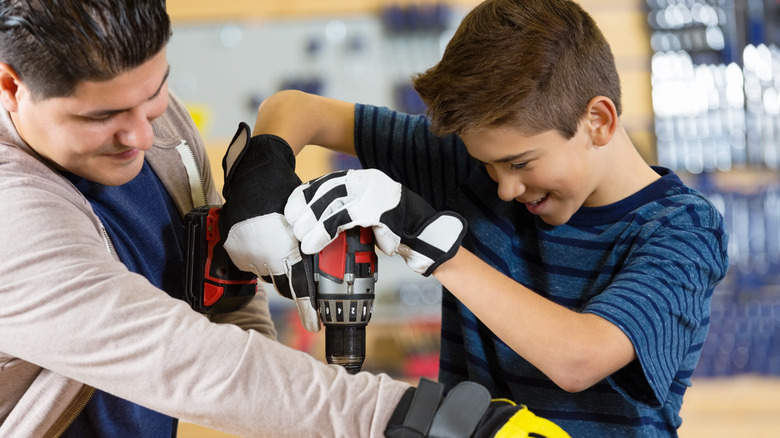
345, 275
346, 346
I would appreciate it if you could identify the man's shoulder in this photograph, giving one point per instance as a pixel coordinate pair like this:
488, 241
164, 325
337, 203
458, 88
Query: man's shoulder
175, 125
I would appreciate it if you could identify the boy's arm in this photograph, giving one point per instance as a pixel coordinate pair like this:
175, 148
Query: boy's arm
575, 350
302, 119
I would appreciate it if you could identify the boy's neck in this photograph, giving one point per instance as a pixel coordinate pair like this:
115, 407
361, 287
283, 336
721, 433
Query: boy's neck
627, 172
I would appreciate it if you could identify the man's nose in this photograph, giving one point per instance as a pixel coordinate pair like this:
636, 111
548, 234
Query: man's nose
137, 131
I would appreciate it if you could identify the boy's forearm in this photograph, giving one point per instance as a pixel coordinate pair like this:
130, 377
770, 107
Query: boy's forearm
302, 119
575, 350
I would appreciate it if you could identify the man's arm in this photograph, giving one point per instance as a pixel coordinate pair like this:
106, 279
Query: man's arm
575, 350
302, 119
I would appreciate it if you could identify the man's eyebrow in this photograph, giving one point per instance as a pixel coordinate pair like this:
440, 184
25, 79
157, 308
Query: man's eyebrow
104, 113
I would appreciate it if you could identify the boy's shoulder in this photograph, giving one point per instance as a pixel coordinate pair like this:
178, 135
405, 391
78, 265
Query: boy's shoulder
674, 203
667, 201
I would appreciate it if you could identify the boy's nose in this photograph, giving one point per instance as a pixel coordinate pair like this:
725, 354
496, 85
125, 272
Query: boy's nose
510, 188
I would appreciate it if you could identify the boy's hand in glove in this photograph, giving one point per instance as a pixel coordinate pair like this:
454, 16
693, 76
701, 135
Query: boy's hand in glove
403, 223
259, 176
466, 411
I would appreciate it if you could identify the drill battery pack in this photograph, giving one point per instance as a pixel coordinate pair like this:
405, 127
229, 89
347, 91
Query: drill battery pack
213, 283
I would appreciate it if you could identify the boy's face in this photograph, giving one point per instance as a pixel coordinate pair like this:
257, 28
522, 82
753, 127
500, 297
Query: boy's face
101, 131
551, 175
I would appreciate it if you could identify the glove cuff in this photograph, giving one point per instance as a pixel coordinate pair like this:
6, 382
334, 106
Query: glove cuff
425, 238
434, 242
505, 419
246, 153
422, 413
445, 232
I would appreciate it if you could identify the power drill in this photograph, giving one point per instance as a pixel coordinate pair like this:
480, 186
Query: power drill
213, 284
345, 274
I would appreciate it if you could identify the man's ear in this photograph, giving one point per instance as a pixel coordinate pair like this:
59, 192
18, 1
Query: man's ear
9, 87
603, 119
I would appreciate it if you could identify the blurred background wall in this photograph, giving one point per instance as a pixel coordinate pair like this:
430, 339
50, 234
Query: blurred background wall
701, 87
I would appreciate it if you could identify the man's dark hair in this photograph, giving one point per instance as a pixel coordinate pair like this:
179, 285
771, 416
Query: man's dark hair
529, 64
55, 44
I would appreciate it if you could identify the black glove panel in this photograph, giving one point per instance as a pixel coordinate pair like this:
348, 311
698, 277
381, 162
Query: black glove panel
260, 175
466, 411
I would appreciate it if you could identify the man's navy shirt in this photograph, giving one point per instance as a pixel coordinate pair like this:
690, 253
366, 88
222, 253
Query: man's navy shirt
146, 232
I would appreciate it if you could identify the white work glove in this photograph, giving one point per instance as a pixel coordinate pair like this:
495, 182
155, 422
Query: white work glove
259, 176
403, 223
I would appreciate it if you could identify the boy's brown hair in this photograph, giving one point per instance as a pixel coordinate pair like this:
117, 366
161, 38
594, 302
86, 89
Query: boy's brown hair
530, 64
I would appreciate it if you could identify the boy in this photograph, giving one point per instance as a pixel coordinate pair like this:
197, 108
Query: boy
98, 165
583, 283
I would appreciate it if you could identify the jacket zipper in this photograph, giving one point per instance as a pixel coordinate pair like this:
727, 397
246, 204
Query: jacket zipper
109, 245
88, 392
190, 164
197, 185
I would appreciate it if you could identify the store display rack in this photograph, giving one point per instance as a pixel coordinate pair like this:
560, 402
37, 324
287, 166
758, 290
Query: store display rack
716, 102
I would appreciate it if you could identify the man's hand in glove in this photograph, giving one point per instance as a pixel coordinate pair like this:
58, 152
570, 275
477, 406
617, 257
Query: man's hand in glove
466, 411
259, 176
403, 223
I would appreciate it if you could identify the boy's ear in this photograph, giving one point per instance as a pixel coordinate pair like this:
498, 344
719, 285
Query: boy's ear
603, 119
9, 87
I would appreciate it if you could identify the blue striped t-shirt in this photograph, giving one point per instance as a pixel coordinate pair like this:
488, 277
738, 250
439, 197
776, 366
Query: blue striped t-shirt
648, 264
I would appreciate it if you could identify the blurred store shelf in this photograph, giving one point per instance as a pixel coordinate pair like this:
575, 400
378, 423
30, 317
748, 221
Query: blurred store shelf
280, 43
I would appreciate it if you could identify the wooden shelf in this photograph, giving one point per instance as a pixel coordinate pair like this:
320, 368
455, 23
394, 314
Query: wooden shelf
244, 10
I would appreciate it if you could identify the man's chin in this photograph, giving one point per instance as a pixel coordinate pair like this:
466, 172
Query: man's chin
113, 175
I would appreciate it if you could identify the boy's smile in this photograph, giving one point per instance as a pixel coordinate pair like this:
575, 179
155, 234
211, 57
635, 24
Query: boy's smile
551, 175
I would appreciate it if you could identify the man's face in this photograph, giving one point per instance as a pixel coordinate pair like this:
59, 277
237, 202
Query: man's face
101, 131
551, 175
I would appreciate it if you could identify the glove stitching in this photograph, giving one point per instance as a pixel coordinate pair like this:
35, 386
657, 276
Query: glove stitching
273, 280
288, 274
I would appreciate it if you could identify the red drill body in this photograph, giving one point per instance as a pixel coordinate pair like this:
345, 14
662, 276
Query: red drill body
345, 274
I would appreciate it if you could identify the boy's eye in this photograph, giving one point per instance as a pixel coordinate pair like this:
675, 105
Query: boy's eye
518, 166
